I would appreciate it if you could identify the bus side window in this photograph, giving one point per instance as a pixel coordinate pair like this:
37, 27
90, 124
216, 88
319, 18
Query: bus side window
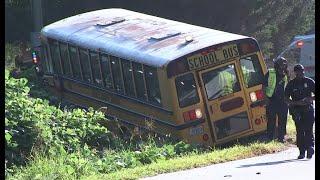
44, 58
127, 77
116, 72
251, 71
152, 85
48, 59
75, 62
106, 73
186, 90
65, 59
138, 78
55, 57
84, 58
95, 68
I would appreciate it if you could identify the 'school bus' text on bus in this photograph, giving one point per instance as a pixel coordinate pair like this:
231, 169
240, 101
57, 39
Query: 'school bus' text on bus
198, 84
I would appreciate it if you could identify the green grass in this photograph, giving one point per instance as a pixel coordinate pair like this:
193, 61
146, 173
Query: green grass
291, 130
57, 168
194, 160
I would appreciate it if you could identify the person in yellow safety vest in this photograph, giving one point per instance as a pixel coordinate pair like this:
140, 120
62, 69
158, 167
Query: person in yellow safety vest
226, 80
274, 85
246, 75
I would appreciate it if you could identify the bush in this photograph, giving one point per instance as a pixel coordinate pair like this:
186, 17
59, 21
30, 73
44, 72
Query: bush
33, 123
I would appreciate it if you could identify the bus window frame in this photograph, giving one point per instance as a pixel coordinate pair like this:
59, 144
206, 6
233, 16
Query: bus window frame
136, 64
92, 74
260, 67
134, 81
114, 69
77, 61
104, 55
110, 70
121, 75
210, 69
44, 58
60, 59
78, 58
133, 86
145, 83
196, 89
90, 66
150, 68
69, 59
50, 58
88, 59
52, 43
100, 68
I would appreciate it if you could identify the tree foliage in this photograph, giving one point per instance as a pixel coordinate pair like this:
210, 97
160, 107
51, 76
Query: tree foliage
275, 23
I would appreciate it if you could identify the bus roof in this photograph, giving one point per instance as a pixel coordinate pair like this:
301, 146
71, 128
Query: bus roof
135, 36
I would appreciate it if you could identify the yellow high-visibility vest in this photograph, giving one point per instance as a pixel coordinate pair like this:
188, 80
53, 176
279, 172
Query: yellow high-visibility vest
246, 75
226, 81
272, 82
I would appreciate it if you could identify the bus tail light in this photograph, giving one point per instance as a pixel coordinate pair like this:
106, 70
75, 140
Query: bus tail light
34, 58
257, 121
192, 115
205, 137
256, 95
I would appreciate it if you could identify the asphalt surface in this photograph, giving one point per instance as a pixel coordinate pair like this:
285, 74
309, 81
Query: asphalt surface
282, 165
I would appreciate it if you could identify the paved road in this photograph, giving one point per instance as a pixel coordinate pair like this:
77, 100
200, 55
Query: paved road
282, 165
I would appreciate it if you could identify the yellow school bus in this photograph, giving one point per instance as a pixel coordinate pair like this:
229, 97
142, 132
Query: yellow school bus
197, 84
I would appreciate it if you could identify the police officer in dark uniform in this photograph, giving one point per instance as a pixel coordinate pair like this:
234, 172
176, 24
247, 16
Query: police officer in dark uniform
300, 90
274, 85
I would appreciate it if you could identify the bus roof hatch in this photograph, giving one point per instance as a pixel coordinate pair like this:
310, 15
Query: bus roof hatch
111, 22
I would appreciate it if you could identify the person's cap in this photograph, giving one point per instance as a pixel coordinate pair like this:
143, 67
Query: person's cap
280, 60
298, 67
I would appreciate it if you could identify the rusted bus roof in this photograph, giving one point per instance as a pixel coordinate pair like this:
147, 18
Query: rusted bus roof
140, 37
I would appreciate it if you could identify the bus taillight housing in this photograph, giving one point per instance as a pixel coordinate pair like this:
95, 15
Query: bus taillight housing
35, 59
257, 95
192, 115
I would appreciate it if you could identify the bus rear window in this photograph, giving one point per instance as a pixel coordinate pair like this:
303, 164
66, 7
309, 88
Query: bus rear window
186, 90
251, 70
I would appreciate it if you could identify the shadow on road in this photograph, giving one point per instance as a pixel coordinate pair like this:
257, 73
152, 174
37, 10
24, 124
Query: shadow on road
272, 163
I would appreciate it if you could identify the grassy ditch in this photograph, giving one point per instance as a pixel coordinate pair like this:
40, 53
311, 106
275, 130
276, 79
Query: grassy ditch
195, 160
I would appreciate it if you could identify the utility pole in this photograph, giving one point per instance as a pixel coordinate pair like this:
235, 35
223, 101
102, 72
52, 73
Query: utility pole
37, 14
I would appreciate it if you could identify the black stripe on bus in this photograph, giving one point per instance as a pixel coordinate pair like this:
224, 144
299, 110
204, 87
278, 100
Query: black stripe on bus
177, 127
113, 93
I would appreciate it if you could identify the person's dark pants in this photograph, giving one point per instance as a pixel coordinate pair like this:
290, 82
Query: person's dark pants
273, 110
304, 120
